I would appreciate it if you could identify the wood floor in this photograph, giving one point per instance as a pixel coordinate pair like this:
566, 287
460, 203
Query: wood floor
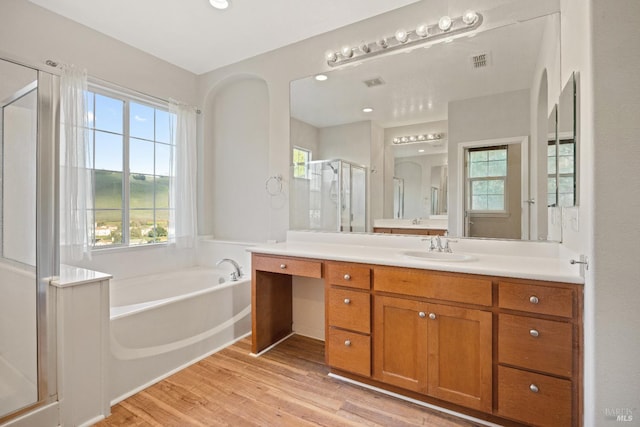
287, 386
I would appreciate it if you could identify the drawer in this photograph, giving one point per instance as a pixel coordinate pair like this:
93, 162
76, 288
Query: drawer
542, 345
349, 274
533, 398
349, 310
349, 351
287, 265
536, 299
423, 283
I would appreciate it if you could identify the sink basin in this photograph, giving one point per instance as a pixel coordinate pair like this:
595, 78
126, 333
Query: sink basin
439, 256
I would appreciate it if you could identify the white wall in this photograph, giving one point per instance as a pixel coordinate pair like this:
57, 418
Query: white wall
616, 296
496, 116
350, 142
304, 135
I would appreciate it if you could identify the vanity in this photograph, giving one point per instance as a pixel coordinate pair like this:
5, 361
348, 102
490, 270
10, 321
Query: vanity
496, 336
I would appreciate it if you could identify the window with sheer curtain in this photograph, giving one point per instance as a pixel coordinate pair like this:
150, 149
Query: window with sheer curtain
131, 158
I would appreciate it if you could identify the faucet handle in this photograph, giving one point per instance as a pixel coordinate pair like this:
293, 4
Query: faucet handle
433, 246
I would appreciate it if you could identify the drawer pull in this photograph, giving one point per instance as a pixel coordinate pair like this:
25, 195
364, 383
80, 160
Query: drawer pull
283, 266
347, 343
347, 277
534, 333
347, 301
534, 299
534, 388
422, 314
432, 316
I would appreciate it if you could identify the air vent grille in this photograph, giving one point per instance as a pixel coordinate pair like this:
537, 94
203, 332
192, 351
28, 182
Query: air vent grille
374, 82
480, 60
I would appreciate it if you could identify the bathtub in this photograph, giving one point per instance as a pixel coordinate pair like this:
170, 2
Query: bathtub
162, 323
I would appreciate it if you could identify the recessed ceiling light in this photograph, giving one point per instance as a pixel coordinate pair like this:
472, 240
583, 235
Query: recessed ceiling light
219, 4
367, 110
421, 151
321, 77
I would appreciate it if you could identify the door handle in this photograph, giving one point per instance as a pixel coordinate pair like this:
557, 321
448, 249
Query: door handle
531, 201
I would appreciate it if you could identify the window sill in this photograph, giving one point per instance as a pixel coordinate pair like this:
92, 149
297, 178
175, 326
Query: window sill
113, 249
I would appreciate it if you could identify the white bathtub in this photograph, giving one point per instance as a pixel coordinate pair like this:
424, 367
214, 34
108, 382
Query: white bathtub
162, 323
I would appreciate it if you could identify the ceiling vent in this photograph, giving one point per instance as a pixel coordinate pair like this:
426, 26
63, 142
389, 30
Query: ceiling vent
374, 82
481, 60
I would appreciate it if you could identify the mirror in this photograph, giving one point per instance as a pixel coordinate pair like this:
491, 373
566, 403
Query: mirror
566, 159
471, 89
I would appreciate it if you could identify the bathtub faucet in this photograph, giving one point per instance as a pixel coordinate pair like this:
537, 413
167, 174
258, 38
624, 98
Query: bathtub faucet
235, 275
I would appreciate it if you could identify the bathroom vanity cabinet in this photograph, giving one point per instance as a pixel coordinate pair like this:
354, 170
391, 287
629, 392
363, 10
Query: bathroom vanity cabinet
493, 347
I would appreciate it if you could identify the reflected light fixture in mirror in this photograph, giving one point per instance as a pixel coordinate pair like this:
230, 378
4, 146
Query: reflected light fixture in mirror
430, 137
219, 4
446, 27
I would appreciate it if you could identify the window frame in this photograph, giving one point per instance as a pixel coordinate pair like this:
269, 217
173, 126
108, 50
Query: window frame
307, 173
557, 175
127, 98
503, 178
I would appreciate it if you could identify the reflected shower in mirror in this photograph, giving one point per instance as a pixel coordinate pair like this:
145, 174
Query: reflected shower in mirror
485, 87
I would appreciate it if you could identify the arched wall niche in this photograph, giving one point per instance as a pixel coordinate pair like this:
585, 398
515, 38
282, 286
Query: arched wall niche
234, 160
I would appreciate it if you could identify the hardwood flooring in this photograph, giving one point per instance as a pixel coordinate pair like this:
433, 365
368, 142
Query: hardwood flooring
287, 386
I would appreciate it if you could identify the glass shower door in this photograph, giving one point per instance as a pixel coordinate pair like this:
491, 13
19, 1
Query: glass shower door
19, 288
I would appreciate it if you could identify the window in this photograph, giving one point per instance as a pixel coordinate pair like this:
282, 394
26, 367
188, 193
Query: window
301, 157
561, 179
487, 177
131, 163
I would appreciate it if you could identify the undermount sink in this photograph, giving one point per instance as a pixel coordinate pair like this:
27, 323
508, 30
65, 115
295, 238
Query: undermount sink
438, 256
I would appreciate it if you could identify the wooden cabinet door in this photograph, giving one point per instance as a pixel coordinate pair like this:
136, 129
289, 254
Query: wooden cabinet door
460, 356
400, 342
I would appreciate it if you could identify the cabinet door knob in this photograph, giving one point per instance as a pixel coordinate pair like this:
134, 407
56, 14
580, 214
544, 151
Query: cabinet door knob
347, 301
347, 277
533, 299
283, 266
422, 314
347, 343
534, 333
432, 316
533, 388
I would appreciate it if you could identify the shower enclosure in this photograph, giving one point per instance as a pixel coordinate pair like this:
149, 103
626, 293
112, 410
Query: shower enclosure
27, 236
329, 195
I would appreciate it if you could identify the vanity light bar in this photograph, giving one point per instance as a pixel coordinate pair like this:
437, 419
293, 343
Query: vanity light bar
427, 137
445, 28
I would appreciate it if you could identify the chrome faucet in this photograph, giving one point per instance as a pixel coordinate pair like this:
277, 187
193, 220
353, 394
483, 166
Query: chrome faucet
415, 221
235, 275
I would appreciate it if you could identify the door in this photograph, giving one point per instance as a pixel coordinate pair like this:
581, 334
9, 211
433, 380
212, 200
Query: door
27, 234
460, 356
400, 342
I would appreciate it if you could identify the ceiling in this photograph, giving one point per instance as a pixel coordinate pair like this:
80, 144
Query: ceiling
194, 36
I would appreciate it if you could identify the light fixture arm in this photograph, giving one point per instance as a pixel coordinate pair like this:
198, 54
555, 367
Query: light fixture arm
411, 38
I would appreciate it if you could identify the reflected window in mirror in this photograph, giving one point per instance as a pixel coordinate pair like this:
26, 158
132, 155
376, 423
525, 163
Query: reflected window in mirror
561, 179
487, 178
301, 158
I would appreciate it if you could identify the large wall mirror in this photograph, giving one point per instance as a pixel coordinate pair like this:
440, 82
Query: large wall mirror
485, 98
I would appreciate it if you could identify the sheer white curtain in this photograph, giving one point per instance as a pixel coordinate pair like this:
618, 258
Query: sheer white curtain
76, 192
183, 227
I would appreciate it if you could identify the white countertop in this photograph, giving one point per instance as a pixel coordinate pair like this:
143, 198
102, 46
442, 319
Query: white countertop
526, 260
430, 224
74, 276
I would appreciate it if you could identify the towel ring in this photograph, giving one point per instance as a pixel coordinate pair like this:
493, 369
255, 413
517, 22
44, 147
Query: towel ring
273, 185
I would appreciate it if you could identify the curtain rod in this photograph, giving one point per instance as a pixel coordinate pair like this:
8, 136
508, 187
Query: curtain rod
116, 86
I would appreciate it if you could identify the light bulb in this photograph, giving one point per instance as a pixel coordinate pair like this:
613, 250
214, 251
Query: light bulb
331, 56
445, 23
421, 138
346, 51
470, 17
422, 30
364, 48
383, 43
396, 140
412, 138
402, 36
219, 4
405, 139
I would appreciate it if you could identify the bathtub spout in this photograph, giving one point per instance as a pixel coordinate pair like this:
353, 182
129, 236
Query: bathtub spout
235, 275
